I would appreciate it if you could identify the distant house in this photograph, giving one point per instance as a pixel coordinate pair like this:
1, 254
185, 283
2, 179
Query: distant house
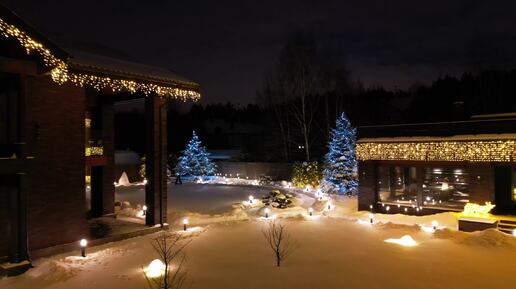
435, 167
56, 138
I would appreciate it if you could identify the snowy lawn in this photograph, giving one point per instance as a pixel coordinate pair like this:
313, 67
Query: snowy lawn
330, 254
192, 197
338, 248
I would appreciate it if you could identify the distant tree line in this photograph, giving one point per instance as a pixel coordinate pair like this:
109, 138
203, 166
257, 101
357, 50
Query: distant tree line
303, 94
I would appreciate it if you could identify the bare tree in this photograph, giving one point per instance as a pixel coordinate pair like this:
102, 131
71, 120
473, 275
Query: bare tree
279, 241
169, 247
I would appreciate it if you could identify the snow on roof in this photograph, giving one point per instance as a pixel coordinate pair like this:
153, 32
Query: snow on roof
504, 136
86, 61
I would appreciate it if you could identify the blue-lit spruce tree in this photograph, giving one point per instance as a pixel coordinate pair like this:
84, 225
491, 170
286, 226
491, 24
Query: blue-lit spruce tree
340, 167
194, 160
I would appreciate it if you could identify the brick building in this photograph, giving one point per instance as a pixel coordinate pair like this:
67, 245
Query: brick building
57, 138
436, 167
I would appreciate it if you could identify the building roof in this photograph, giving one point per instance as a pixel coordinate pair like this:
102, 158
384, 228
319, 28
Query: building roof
101, 72
105, 65
480, 125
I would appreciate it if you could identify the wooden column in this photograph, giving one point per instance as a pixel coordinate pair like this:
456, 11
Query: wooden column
108, 142
156, 160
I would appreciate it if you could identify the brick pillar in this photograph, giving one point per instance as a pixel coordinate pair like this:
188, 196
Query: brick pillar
156, 160
108, 142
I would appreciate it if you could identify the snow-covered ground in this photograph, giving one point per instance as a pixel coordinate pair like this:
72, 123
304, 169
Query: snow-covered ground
336, 248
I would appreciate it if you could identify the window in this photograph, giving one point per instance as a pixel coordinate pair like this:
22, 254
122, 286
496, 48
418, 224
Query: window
445, 187
397, 184
435, 187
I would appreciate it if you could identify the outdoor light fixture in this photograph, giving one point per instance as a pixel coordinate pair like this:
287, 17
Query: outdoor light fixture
266, 213
403, 241
329, 206
251, 198
311, 212
398, 205
383, 205
387, 208
434, 225
371, 218
155, 269
144, 209
145, 181
514, 233
371, 207
405, 209
83, 243
185, 222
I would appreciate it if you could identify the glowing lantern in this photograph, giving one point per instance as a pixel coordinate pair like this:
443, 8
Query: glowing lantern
266, 212
403, 241
144, 209
251, 198
155, 269
434, 225
185, 222
310, 211
83, 243
514, 233
371, 218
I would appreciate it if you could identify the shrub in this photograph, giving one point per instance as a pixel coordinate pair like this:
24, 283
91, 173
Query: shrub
278, 200
304, 174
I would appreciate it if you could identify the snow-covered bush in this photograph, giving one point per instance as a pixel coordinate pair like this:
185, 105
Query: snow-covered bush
306, 174
279, 200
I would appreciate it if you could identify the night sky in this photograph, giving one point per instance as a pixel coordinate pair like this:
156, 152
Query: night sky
227, 45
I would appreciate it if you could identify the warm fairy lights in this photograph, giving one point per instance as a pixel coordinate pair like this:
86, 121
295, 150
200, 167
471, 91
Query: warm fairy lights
30, 45
119, 85
475, 151
94, 151
60, 71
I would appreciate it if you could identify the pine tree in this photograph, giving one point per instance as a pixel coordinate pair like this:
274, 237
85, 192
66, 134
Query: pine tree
340, 170
194, 160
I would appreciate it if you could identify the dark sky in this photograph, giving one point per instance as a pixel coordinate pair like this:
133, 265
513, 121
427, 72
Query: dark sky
227, 45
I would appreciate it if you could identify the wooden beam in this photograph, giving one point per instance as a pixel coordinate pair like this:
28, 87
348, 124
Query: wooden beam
17, 66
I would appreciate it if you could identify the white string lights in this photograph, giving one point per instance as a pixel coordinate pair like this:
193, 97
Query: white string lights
61, 73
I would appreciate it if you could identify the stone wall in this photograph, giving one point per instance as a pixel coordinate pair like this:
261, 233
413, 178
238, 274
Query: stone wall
278, 171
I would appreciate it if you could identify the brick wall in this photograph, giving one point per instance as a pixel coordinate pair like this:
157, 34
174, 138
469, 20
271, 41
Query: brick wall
55, 190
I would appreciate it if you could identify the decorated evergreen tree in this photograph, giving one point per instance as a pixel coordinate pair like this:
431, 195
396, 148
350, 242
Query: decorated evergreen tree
340, 170
194, 160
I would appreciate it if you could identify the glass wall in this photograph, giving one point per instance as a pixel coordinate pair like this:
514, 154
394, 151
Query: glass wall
445, 187
397, 184
435, 187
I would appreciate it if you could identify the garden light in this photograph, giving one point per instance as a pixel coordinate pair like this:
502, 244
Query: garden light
403, 241
155, 269
251, 198
266, 213
144, 209
83, 243
371, 218
514, 233
388, 208
311, 212
185, 222
434, 225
